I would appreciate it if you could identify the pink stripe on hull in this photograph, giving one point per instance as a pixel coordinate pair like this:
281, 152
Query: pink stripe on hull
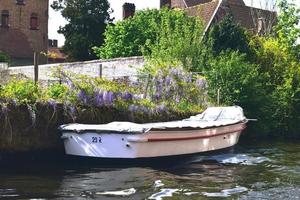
197, 137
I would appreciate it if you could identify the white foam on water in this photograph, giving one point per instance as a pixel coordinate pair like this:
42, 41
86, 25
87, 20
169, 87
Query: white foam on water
226, 192
163, 193
191, 193
158, 183
126, 192
242, 159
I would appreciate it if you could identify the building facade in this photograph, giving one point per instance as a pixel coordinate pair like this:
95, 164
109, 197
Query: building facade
24, 30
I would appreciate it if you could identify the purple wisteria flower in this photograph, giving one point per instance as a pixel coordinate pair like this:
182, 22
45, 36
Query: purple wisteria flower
157, 96
133, 108
98, 98
127, 96
108, 97
52, 103
143, 109
72, 112
83, 97
4, 108
161, 108
201, 83
168, 80
32, 114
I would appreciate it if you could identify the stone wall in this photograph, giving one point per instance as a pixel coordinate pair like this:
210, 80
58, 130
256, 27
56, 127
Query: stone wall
111, 68
3, 66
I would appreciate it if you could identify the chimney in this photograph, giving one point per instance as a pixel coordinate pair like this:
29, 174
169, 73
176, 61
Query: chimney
128, 10
165, 3
54, 43
50, 43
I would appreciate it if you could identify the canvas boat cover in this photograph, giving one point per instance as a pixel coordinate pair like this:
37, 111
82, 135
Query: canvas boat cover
211, 117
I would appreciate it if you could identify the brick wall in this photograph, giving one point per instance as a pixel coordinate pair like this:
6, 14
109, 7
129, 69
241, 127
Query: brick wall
19, 40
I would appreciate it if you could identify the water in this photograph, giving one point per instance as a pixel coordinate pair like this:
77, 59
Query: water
251, 171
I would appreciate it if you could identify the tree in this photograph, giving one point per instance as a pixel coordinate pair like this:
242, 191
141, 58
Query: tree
87, 22
287, 29
135, 35
227, 35
179, 42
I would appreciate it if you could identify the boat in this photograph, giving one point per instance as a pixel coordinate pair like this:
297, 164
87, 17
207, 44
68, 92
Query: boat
214, 129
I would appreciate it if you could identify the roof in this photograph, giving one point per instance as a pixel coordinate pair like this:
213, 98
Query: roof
246, 16
191, 3
55, 54
205, 11
15, 43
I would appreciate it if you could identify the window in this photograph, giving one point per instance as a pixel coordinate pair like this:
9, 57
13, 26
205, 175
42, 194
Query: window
4, 18
20, 2
34, 21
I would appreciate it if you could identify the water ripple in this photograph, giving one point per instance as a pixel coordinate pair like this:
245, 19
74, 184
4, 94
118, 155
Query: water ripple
124, 193
242, 159
226, 192
163, 193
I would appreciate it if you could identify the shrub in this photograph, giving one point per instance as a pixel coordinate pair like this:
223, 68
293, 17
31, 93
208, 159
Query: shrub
136, 35
22, 91
4, 57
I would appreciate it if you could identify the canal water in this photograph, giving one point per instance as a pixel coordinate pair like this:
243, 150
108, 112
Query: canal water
267, 170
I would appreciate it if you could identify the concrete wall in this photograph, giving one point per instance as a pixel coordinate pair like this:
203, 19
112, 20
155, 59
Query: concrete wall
118, 67
3, 66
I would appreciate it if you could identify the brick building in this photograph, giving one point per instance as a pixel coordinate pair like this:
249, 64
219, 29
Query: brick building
211, 11
24, 29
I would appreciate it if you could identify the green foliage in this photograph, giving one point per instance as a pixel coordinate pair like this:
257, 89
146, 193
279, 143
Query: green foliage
4, 57
87, 21
227, 35
286, 108
179, 42
22, 91
237, 79
150, 32
57, 91
128, 37
287, 29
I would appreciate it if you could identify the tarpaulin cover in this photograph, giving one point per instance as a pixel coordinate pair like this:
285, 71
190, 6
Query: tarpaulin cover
211, 117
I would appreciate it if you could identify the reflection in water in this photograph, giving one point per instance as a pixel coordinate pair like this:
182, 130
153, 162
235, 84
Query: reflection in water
259, 172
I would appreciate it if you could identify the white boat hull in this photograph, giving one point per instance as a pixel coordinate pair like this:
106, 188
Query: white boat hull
155, 143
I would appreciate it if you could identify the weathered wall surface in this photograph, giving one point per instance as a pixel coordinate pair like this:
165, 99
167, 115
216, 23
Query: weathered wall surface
3, 66
25, 128
110, 68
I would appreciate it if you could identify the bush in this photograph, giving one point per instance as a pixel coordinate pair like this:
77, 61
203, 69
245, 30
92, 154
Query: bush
134, 36
179, 43
238, 80
21, 91
4, 57
227, 35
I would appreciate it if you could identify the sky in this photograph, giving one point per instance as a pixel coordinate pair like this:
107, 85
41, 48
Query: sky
56, 20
